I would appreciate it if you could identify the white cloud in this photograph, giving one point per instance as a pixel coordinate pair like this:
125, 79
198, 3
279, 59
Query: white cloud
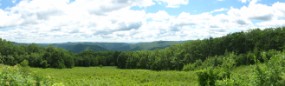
174, 3
272, 23
263, 14
8, 19
244, 1
144, 3
249, 1
115, 21
218, 10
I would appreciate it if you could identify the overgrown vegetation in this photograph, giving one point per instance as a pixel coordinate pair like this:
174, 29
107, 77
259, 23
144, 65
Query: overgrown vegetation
20, 75
269, 73
112, 76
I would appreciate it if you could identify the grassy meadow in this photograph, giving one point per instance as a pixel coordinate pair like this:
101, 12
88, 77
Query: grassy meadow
111, 76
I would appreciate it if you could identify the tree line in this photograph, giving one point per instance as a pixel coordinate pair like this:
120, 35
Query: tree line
248, 46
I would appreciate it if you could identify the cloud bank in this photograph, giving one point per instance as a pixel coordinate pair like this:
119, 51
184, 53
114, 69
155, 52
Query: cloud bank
49, 21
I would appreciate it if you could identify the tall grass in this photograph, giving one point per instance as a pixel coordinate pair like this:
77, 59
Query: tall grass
111, 76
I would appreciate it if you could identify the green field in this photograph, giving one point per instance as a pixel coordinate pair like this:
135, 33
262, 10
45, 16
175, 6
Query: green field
111, 76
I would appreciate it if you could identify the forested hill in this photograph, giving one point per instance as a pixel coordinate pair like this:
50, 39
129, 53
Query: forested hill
77, 47
106, 46
247, 48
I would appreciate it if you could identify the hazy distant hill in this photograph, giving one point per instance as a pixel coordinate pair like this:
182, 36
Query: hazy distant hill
103, 46
78, 47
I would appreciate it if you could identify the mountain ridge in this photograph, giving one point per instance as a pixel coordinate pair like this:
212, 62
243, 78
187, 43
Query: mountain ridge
111, 46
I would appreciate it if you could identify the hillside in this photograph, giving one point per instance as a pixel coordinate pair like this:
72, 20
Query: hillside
212, 59
246, 46
104, 46
79, 47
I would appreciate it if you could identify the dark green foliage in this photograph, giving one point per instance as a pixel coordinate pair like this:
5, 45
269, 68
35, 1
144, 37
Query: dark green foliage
77, 48
247, 46
207, 77
122, 58
91, 58
36, 56
58, 58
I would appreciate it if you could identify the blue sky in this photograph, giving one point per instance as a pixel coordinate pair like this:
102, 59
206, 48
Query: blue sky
52, 21
195, 7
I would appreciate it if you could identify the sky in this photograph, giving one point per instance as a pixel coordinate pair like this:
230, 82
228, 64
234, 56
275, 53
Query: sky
57, 21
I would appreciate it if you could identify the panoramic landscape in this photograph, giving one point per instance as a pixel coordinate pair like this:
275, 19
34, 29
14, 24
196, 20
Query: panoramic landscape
142, 43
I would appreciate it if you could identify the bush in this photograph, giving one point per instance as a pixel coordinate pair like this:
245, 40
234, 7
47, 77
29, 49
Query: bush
192, 66
15, 76
209, 77
271, 73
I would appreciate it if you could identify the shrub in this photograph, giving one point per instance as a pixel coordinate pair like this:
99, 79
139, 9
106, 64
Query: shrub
209, 77
15, 76
271, 73
192, 66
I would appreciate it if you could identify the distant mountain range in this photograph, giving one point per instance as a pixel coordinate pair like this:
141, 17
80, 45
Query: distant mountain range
105, 46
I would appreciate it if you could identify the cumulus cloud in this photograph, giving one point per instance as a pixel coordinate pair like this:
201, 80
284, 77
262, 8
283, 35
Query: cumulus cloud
124, 26
115, 21
259, 12
218, 10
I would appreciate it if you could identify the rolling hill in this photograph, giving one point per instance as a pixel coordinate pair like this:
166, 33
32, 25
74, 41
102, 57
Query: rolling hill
105, 46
